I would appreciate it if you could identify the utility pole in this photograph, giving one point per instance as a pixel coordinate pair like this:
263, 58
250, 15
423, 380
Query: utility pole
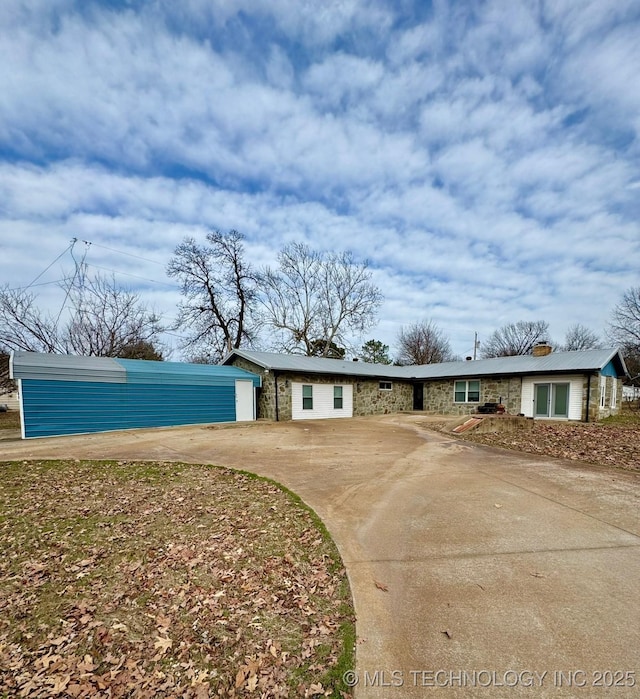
476, 344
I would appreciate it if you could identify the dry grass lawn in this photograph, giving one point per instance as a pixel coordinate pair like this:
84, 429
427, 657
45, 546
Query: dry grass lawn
165, 580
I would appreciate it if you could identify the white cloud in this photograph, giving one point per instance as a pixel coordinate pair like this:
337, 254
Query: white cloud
481, 157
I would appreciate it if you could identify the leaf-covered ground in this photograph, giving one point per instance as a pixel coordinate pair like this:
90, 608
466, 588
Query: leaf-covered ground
614, 442
10, 420
165, 580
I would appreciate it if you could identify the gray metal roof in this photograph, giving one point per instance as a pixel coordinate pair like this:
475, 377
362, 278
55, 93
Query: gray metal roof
564, 362
316, 365
65, 367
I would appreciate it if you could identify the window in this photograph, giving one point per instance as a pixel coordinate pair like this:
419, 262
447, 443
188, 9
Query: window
384, 385
614, 394
307, 397
337, 397
466, 392
603, 391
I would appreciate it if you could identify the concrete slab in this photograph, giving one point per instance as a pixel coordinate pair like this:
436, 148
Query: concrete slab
476, 572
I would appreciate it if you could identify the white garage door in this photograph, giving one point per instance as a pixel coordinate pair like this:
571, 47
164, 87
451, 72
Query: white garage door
313, 401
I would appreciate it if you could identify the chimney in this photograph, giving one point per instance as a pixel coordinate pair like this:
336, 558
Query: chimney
542, 349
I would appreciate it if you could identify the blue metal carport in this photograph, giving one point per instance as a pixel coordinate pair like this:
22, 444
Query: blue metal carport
64, 394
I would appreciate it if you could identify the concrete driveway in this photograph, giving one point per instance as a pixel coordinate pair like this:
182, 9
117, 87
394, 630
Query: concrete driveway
475, 572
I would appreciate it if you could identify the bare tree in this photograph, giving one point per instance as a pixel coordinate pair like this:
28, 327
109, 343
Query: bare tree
313, 299
515, 338
6, 384
219, 289
423, 343
101, 319
624, 328
107, 320
23, 326
580, 338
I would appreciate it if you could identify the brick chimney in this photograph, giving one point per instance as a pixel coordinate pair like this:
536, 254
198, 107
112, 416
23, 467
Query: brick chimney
542, 349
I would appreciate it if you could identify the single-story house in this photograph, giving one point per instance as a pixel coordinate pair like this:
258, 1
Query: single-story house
584, 385
64, 394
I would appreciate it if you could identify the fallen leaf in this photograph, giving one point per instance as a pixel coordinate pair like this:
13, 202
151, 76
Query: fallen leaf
381, 586
163, 643
252, 682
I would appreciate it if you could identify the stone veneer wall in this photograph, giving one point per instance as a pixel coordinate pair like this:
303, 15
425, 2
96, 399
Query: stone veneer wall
594, 398
368, 399
613, 384
439, 396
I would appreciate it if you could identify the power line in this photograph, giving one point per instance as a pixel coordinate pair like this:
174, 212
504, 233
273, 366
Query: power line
76, 274
73, 242
135, 276
24, 288
121, 252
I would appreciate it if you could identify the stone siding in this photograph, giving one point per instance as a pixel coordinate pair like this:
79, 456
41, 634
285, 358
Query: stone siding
368, 399
439, 396
594, 398
613, 384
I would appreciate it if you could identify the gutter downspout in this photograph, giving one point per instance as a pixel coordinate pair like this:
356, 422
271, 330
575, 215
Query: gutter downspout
588, 395
275, 380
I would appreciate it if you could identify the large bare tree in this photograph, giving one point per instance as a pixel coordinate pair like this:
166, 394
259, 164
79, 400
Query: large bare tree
99, 318
515, 338
315, 302
579, 338
423, 343
624, 328
219, 290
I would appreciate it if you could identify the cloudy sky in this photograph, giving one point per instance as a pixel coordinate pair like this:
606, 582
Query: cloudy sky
483, 156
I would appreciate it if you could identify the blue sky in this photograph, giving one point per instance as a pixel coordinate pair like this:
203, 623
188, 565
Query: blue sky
483, 156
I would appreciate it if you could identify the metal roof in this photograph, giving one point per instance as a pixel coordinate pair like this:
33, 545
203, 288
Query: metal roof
564, 362
275, 361
148, 372
65, 367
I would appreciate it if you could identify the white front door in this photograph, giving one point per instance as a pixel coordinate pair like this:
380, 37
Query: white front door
244, 401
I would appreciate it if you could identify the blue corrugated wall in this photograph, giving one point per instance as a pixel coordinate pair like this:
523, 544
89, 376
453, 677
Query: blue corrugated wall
76, 407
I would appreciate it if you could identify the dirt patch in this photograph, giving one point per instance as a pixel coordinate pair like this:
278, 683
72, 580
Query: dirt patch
162, 579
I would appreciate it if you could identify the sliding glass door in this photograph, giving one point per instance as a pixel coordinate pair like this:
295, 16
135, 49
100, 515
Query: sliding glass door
551, 400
